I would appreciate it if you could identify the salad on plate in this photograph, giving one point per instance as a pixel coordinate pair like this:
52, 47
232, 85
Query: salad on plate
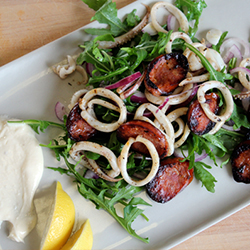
158, 109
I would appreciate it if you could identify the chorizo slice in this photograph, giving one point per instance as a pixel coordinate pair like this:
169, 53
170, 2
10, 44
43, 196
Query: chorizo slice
172, 177
147, 130
78, 128
240, 160
165, 73
198, 122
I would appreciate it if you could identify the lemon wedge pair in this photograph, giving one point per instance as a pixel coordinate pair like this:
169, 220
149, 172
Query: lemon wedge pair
60, 225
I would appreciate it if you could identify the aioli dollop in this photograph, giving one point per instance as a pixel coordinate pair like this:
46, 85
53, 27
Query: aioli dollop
21, 169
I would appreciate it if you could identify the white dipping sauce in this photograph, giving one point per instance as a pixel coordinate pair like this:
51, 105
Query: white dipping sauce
21, 169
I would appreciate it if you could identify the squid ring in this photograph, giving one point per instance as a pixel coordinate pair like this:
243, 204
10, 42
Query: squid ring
174, 36
122, 161
226, 94
88, 110
162, 121
182, 19
78, 148
242, 76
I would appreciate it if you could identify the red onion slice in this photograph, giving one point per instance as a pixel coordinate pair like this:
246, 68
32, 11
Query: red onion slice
234, 51
124, 81
240, 69
60, 111
171, 22
90, 175
234, 40
89, 68
139, 97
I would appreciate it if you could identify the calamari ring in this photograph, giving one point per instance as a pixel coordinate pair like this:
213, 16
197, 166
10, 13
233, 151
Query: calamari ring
77, 151
175, 35
123, 158
182, 19
88, 111
226, 94
195, 79
64, 70
173, 116
242, 76
173, 99
162, 120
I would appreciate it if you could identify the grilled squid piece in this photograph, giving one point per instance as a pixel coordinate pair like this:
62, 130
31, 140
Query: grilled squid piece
195, 79
122, 161
227, 97
78, 149
211, 55
242, 76
173, 99
182, 19
87, 106
76, 97
185, 131
64, 70
127, 36
162, 121
175, 35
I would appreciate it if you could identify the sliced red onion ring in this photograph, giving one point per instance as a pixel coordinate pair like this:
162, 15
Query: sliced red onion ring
90, 175
124, 81
171, 22
229, 128
60, 111
201, 157
139, 97
234, 51
234, 40
89, 68
240, 69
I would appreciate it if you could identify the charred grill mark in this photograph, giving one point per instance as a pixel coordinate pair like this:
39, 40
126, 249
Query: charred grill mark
172, 177
165, 72
198, 122
78, 128
136, 127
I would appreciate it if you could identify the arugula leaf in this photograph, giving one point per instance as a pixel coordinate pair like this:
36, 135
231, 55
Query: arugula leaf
214, 74
95, 4
239, 117
132, 19
193, 11
204, 176
39, 124
221, 40
107, 14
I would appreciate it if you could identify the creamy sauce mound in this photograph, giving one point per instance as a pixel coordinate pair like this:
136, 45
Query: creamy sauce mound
21, 169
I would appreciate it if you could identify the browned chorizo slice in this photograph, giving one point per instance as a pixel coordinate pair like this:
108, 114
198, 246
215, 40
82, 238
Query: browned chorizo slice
165, 72
78, 128
198, 122
172, 177
240, 160
136, 127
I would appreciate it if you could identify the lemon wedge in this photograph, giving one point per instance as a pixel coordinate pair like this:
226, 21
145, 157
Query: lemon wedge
81, 239
61, 221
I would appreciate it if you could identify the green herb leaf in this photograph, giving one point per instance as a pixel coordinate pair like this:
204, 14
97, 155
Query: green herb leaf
107, 14
193, 11
204, 176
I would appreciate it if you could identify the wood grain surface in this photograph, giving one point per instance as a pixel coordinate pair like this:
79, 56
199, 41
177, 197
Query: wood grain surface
26, 25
